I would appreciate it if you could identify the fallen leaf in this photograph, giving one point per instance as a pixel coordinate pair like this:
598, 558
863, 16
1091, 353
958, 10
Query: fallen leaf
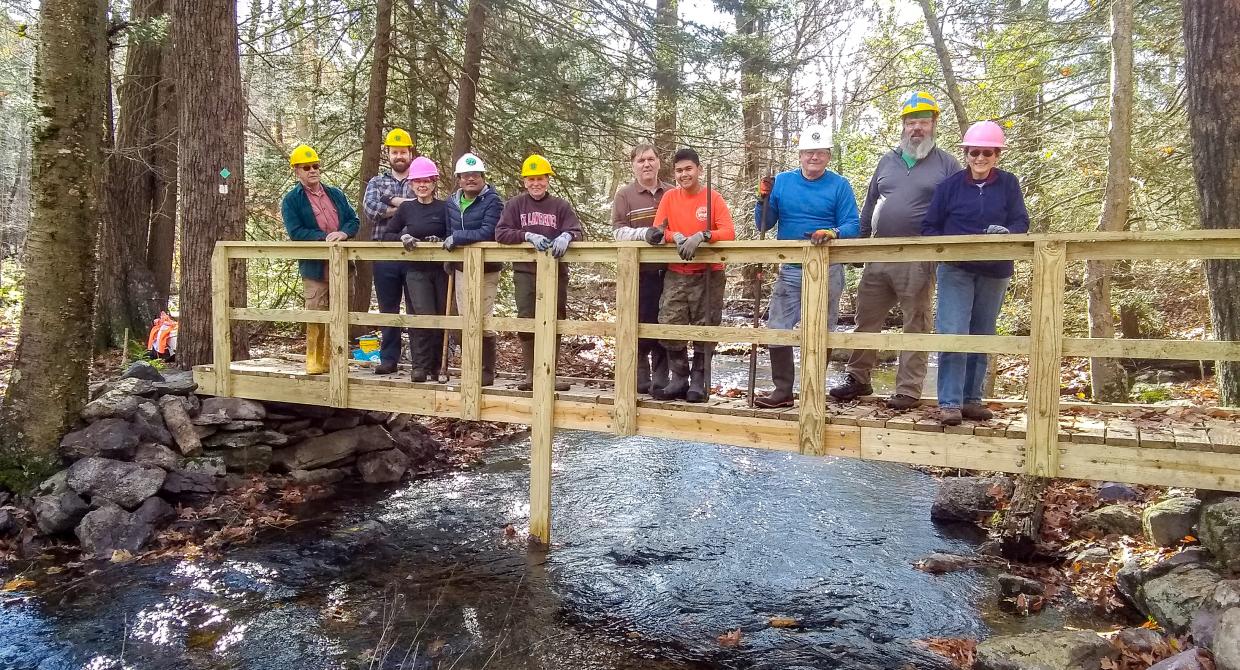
121, 556
54, 570
510, 531
783, 622
731, 638
17, 583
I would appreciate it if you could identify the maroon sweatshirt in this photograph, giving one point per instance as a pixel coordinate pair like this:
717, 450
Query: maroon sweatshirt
548, 217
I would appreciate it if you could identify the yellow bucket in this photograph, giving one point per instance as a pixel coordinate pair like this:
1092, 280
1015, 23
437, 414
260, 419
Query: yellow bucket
368, 344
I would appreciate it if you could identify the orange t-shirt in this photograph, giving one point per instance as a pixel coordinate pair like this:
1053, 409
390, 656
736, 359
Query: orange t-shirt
686, 214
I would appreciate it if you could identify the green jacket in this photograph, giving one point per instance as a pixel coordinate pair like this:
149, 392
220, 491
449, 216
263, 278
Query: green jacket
301, 226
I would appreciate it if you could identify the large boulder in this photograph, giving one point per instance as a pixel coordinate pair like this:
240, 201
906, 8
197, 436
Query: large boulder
109, 438
320, 476
342, 421
229, 440
1110, 520
1171, 592
110, 529
151, 429
332, 448
125, 484
251, 459
970, 499
142, 370
1050, 650
179, 383
235, 409
155, 510
182, 482
157, 455
1224, 597
111, 404
414, 439
1117, 492
179, 424
123, 386
381, 467
58, 512
1220, 531
1166, 523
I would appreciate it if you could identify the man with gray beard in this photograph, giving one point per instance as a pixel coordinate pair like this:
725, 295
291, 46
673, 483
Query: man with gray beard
895, 204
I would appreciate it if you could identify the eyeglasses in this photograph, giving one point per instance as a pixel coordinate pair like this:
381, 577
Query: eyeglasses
312, 166
982, 152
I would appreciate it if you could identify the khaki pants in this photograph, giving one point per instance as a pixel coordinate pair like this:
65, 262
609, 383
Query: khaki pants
490, 288
316, 293
882, 287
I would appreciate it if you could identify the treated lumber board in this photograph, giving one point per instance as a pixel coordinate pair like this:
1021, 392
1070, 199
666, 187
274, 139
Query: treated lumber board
1156, 437
284, 315
814, 352
1178, 350
471, 334
662, 331
1224, 437
1089, 430
221, 325
996, 427
942, 449
627, 274
849, 415
988, 344
1162, 467
338, 327
1045, 356
1017, 428
1123, 433
1191, 437
542, 421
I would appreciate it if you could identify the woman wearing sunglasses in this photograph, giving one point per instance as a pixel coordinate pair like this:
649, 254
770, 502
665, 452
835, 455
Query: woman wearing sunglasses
980, 200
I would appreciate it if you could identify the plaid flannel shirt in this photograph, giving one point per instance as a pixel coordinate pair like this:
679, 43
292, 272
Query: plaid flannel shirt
379, 188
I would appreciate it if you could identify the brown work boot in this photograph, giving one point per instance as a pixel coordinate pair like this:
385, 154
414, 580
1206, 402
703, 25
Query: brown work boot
949, 416
901, 402
783, 373
977, 412
850, 389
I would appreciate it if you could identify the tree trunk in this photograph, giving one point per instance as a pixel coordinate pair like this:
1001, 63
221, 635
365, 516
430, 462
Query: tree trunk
1106, 376
48, 383
1022, 520
666, 81
467, 86
211, 111
753, 75
945, 61
1212, 67
161, 245
372, 140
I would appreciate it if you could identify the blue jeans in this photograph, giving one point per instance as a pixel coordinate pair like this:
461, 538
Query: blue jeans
968, 304
785, 306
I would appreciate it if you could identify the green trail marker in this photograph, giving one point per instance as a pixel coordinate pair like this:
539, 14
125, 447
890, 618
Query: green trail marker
225, 174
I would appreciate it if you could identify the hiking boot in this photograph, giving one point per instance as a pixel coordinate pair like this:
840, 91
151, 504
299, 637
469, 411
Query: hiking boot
783, 373
901, 402
678, 385
385, 368
418, 375
949, 416
697, 378
658, 366
527, 363
643, 367
488, 361
977, 412
850, 389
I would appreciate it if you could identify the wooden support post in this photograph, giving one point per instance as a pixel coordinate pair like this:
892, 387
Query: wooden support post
1045, 356
338, 326
628, 269
221, 324
542, 419
814, 353
471, 335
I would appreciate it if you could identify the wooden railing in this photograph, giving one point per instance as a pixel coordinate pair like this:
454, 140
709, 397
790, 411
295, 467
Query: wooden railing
1046, 344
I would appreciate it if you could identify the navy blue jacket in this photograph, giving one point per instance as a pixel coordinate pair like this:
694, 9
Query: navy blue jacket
477, 223
299, 222
961, 207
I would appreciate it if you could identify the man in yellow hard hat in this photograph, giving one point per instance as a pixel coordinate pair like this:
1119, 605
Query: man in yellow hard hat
895, 205
384, 194
312, 211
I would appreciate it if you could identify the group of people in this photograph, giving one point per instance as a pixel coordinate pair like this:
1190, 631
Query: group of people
917, 189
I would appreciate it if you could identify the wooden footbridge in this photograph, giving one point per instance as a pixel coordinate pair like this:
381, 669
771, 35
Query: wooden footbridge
1041, 435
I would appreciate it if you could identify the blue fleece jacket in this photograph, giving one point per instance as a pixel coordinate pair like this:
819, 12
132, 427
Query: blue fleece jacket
477, 222
799, 206
961, 206
301, 227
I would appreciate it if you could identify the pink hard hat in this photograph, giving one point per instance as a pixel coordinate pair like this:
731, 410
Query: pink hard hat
984, 134
423, 168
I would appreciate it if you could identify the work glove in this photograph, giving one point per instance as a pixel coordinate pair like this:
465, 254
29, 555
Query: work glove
764, 187
560, 246
409, 242
432, 238
449, 243
540, 242
687, 246
996, 230
654, 235
820, 236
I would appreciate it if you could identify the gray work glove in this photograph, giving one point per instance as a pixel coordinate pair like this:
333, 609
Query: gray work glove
409, 242
996, 230
540, 242
449, 244
560, 246
687, 246
654, 235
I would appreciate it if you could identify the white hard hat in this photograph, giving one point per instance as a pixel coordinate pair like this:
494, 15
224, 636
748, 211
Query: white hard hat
815, 137
469, 163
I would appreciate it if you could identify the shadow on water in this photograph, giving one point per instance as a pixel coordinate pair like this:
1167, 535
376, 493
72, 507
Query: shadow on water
659, 547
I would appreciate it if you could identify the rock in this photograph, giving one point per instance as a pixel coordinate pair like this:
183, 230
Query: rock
295, 409
1116, 492
1192, 659
54, 485
939, 563
111, 404
177, 384
150, 410
415, 440
1166, 523
1131, 577
4, 497
180, 425
191, 403
109, 438
58, 512
1226, 645
245, 439
179, 482
334, 447
215, 420
208, 465
110, 529
1225, 597
203, 432
236, 409
154, 511
1109, 520
341, 422
294, 425
157, 455
1220, 531
970, 498
320, 476
1093, 556
242, 425
151, 430
1014, 585
381, 467
1174, 598
126, 386
377, 417
304, 434
1141, 641
7, 523
104, 479
1050, 650
142, 370
251, 459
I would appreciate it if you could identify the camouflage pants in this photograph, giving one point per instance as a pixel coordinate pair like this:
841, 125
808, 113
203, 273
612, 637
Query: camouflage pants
684, 303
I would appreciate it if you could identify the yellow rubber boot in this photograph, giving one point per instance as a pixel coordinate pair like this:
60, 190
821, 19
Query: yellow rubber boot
316, 349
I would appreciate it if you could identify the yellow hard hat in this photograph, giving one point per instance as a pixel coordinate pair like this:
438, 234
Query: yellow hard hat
398, 138
301, 155
919, 101
536, 165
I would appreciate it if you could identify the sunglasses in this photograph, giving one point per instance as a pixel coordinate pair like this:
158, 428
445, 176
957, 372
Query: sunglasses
982, 152
312, 166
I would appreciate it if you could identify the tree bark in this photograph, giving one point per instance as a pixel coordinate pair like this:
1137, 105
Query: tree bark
753, 74
1022, 521
945, 61
467, 86
372, 140
1107, 378
161, 245
211, 111
666, 81
48, 383
1212, 68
